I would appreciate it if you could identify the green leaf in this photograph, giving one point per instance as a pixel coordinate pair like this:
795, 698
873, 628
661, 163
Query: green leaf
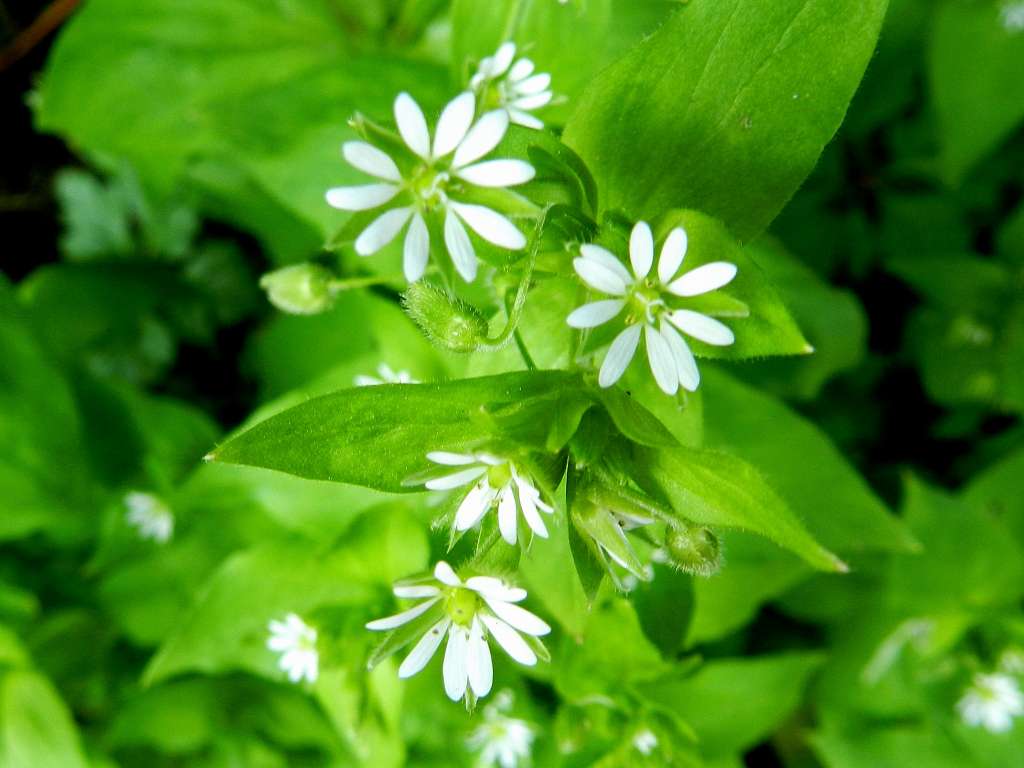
725, 108
720, 490
846, 745
36, 728
757, 693
379, 436
664, 607
974, 65
999, 493
802, 464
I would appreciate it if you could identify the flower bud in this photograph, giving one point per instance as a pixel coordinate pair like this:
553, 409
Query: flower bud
447, 321
300, 289
693, 549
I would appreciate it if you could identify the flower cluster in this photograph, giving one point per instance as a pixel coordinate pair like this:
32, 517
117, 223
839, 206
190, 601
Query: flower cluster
469, 613
511, 84
149, 516
434, 179
501, 740
648, 301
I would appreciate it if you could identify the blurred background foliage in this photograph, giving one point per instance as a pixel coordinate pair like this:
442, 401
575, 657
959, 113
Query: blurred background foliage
162, 155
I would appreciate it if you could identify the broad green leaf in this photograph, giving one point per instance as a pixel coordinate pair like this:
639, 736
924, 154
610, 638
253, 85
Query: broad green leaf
844, 745
970, 559
720, 490
833, 321
665, 608
725, 108
758, 694
975, 59
999, 493
379, 436
36, 728
832, 499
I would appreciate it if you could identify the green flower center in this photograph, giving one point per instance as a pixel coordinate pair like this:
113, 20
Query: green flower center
461, 606
498, 476
430, 187
644, 303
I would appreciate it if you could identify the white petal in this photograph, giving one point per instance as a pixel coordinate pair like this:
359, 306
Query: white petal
451, 459
444, 573
520, 70
455, 673
456, 480
454, 123
368, 159
278, 643
361, 198
459, 247
496, 588
415, 591
416, 249
497, 173
412, 125
595, 313
507, 515
528, 504
525, 119
672, 254
686, 366
703, 279
382, 231
534, 84
491, 226
641, 249
518, 617
503, 58
509, 640
607, 259
474, 506
663, 364
599, 277
482, 138
478, 660
424, 650
390, 622
533, 101
702, 327
619, 355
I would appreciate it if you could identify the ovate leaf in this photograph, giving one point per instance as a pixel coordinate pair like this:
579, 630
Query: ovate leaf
726, 107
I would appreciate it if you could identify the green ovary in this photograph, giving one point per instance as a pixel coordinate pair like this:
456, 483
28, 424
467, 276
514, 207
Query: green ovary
461, 606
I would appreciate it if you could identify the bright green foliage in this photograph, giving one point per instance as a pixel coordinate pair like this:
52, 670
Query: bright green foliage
726, 108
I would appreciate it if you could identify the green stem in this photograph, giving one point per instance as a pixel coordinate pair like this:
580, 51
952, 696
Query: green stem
350, 283
530, 365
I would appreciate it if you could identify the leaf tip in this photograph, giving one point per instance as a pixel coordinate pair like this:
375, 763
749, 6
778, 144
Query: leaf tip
808, 349
211, 456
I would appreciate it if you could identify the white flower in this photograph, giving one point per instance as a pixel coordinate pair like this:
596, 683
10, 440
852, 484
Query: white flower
497, 482
648, 313
992, 701
295, 640
1013, 17
644, 741
501, 740
439, 174
468, 612
1011, 661
512, 85
149, 516
385, 375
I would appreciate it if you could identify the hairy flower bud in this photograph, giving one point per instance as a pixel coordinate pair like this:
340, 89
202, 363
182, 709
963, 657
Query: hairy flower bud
693, 549
300, 289
447, 321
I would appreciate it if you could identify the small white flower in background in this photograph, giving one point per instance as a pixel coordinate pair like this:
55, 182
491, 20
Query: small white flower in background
644, 741
440, 173
385, 375
645, 298
295, 640
149, 516
496, 482
468, 612
992, 702
1012, 16
501, 740
512, 85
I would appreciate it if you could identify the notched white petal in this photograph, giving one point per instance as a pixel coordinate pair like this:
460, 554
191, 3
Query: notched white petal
491, 226
702, 327
482, 138
641, 249
391, 622
497, 173
518, 618
416, 249
424, 650
594, 314
672, 254
444, 573
704, 279
368, 159
382, 231
456, 675
600, 277
412, 125
686, 366
509, 640
361, 198
455, 480
620, 353
607, 259
453, 124
450, 459
459, 246
663, 364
